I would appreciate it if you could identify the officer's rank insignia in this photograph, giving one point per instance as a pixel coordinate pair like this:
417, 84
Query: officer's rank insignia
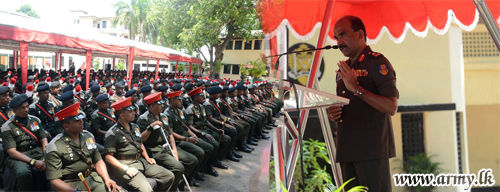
383, 69
137, 132
361, 72
361, 58
34, 126
165, 121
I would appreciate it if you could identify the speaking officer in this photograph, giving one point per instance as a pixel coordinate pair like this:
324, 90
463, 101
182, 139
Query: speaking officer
365, 139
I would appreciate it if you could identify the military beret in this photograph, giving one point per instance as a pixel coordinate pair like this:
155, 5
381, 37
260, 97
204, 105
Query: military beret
171, 81
95, 88
146, 88
199, 84
241, 87
162, 88
178, 81
66, 96
163, 80
119, 85
207, 84
4, 89
42, 88
54, 84
92, 83
130, 93
225, 88
232, 89
251, 87
108, 85
176, 87
68, 87
214, 90
102, 97
215, 84
189, 86
18, 100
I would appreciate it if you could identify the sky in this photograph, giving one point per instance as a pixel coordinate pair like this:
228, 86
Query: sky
60, 10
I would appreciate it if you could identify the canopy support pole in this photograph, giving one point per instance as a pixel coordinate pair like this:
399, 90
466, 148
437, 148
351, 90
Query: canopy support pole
313, 79
131, 64
489, 21
147, 66
15, 58
88, 61
56, 62
113, 66
157, 67
176, 65
23, 48
190, 67
60, 61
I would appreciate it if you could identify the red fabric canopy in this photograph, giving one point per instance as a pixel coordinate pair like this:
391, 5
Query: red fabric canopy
304, 16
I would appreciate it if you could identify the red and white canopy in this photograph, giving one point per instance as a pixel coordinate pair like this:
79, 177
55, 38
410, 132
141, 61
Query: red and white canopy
394, 17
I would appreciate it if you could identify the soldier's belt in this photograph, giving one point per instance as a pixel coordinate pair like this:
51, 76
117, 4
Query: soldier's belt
75, 176
25, 148
128, 157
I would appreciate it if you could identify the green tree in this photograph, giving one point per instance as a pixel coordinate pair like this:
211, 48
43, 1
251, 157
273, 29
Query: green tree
258, 69
26, 9
208, 23
120, 65
132, 14
96, 64
180, 68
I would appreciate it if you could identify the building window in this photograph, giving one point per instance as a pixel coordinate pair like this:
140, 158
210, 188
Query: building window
113, 34
229, 45
126, 37
238, 45
98, 26
257, 44
78, 21
227, 69
412, 126
104, 24
126, 26
248, 45
236, 70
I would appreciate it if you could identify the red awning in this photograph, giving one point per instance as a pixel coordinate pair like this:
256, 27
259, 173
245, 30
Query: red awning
394, 17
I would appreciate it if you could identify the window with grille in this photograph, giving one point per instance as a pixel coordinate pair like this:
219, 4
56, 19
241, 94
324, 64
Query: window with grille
227, 69
478, 44
238, 45
236, 70
257, 44
412, 126
229, 45
459, 142
248, 45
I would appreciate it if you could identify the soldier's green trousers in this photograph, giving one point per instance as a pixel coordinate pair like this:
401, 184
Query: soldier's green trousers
166, 160
202, 150
220, 149
94, 181
163, 177
23, 169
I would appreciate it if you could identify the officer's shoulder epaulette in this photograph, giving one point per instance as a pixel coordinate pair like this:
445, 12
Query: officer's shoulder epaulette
189, 109
111, 131
145, 115
6, 125
87, 133
51, 146
33, 117
94, 114
33, 105
375, 55
207, 102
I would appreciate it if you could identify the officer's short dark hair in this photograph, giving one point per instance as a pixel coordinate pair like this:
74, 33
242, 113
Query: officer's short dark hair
118, 113
356, 23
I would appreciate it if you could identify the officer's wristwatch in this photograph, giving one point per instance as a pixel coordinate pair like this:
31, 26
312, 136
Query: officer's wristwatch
32, 162
187, 138
359, 91
77, 190
202, 133
125, 167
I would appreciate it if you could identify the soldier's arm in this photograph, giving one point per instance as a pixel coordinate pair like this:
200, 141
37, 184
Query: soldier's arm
110, 150
174, 146
96, 125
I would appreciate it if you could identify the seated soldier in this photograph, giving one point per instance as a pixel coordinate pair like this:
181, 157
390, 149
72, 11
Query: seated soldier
126, 155
74, 151
44, 110
102, 119
25, 141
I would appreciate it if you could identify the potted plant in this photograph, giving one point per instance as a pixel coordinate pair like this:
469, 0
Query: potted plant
420, 164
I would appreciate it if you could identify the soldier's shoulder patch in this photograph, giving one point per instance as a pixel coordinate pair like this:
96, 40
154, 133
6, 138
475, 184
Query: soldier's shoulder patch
189, 110
383, 69
375, 54
51, 146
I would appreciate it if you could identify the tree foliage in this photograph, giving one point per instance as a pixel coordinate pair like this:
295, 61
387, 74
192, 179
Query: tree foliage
120, 65
26, 9
132, 14
258, 69
193, 24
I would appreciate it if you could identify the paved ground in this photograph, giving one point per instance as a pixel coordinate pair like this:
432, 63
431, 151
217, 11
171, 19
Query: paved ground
250, 174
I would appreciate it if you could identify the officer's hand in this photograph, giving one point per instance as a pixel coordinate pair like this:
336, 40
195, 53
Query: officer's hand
209, 137
193, 140
334, 112
48, 134
111, 185
230, 127
132, 172
156, 123
348, 75
40, 165
151, 161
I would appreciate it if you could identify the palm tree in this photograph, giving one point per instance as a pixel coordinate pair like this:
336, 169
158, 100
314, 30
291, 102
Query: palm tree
132, 14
